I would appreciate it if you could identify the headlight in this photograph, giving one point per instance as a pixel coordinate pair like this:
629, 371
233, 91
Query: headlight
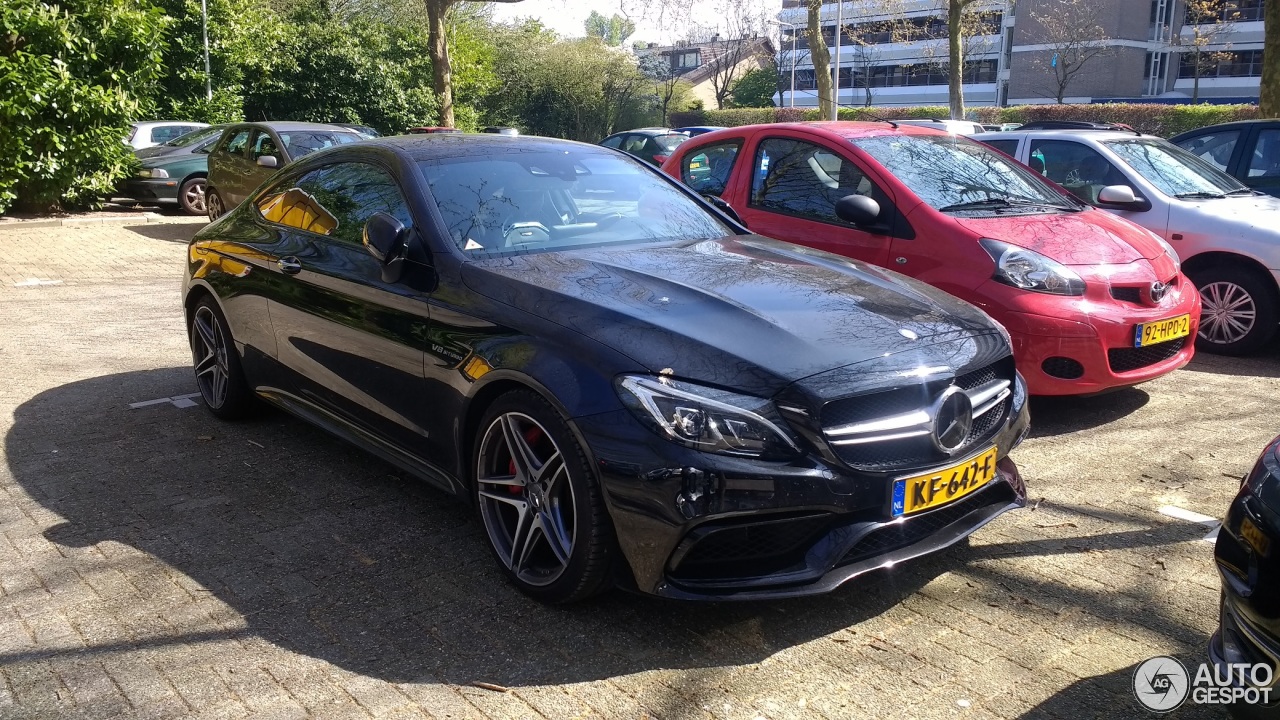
1023, 268
705, 418
153, 173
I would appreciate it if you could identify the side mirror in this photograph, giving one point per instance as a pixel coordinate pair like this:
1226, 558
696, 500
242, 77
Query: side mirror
723, 207
859, 210
1117, 194
268, 161
384, 239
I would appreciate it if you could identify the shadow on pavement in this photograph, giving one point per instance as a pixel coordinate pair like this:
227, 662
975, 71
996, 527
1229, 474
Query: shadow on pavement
1104, 690
1052, 415
1264, 364
326, 551
169, 232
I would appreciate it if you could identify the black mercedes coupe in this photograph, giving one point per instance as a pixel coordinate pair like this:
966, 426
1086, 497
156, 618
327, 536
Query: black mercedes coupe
630, 387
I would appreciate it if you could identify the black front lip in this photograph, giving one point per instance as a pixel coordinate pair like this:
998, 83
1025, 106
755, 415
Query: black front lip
1233, 624
774, 587
148, 189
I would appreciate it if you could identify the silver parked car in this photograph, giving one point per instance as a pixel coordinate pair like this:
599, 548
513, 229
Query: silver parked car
149, 134
1226, 235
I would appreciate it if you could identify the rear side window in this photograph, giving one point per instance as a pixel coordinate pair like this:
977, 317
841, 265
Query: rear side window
236, 142
1008, 147
799, 178
707, 169
1214, 148
612, 142
335, 201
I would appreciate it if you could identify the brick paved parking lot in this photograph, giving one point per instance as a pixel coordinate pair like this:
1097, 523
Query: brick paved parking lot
157, 563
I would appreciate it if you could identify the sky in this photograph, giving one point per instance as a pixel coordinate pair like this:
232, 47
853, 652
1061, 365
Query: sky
662, 21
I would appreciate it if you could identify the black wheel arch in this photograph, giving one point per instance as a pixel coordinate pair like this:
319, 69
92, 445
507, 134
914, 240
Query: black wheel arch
1220, 259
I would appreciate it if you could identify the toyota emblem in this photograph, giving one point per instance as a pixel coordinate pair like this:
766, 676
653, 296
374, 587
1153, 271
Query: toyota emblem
952, 420
1158, 290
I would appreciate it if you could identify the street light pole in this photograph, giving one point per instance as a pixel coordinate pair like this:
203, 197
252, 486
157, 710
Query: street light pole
835, 85
792, 28
208, 79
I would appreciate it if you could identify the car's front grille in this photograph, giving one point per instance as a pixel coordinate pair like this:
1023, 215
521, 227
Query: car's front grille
1127, 359
913, 529
891, 430
750, 549
1062, 367
1127, 294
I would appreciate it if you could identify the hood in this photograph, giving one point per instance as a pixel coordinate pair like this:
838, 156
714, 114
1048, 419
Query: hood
747, 313
1255, 213
1088, 237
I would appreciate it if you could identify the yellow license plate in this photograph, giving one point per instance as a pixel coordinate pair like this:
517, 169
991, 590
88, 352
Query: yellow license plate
1160, 331
925, 492
1255, 537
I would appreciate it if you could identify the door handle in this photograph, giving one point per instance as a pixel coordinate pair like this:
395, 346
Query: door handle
290, 265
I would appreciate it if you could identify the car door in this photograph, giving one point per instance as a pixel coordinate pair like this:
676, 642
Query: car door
352, 343
227, 166
709, 168
794, 185
1260, 168
263, 144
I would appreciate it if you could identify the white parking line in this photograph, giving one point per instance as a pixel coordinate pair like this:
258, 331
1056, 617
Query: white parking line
1174, 511
36, 282
178, 401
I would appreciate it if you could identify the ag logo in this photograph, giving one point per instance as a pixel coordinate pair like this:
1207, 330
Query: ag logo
1161, 684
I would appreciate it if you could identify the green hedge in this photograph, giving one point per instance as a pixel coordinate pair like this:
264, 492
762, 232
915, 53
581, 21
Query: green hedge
1162, 120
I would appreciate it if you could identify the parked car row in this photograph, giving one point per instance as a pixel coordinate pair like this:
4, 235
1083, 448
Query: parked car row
635, 389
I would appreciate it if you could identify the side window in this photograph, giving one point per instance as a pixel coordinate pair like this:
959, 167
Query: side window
708, 170
263, 144
236, 142
1265, 162
634, 144
335, 201
799, 178
612, 142
1008, 147
1214, 148
161, 135
1077, 167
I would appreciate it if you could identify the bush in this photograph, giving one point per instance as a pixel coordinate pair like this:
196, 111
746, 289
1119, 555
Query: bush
1161, 120
72, 77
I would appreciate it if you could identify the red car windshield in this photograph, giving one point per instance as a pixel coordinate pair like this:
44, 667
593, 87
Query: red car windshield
949, 172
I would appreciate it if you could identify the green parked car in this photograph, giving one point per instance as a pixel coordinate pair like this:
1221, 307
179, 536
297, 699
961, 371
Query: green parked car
174, 171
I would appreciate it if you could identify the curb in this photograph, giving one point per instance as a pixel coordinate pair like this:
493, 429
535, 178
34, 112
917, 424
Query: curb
143, 219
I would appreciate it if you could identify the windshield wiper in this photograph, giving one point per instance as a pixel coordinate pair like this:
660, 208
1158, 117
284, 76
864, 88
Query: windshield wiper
1200, 194
999, 203
1242, 191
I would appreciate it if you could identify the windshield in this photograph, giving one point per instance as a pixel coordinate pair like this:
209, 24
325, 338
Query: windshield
531, 201
194, 137
949, 172
670, 142
1172, 170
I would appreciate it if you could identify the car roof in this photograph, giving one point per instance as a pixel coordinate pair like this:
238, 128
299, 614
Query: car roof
162, 123
437, 145
287, 125
1227, 125
648, 131
1090, 134
834, 129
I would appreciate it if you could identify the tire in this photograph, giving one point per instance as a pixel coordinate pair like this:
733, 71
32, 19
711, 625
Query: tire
523, 503
213, 203
191, 196
219, 375
1239, 310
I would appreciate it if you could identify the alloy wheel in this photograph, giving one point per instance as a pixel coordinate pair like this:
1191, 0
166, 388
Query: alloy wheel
193, 197
213, 203
526, 498
1227, 312
209, 351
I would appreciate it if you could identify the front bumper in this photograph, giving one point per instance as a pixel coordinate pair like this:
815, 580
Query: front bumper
1081, 346
694, 525
150, 190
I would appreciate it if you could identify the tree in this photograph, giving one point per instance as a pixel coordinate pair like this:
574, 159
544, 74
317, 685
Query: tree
756, 88
668, 87
612, 30
821, 59
1211, 22
72, 76
1070, 31
957, 13
1269, 102
438, 49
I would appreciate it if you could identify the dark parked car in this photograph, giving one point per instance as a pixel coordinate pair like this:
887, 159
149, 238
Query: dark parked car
174, 172
1248, 150
1248, 558
696, 130
363, 131
652, 145
631, 388
248, 153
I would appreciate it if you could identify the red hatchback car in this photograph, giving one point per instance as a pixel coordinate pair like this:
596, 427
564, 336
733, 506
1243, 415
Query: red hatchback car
1092, 301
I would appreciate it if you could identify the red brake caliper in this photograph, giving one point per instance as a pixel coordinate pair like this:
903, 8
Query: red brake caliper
531, 436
